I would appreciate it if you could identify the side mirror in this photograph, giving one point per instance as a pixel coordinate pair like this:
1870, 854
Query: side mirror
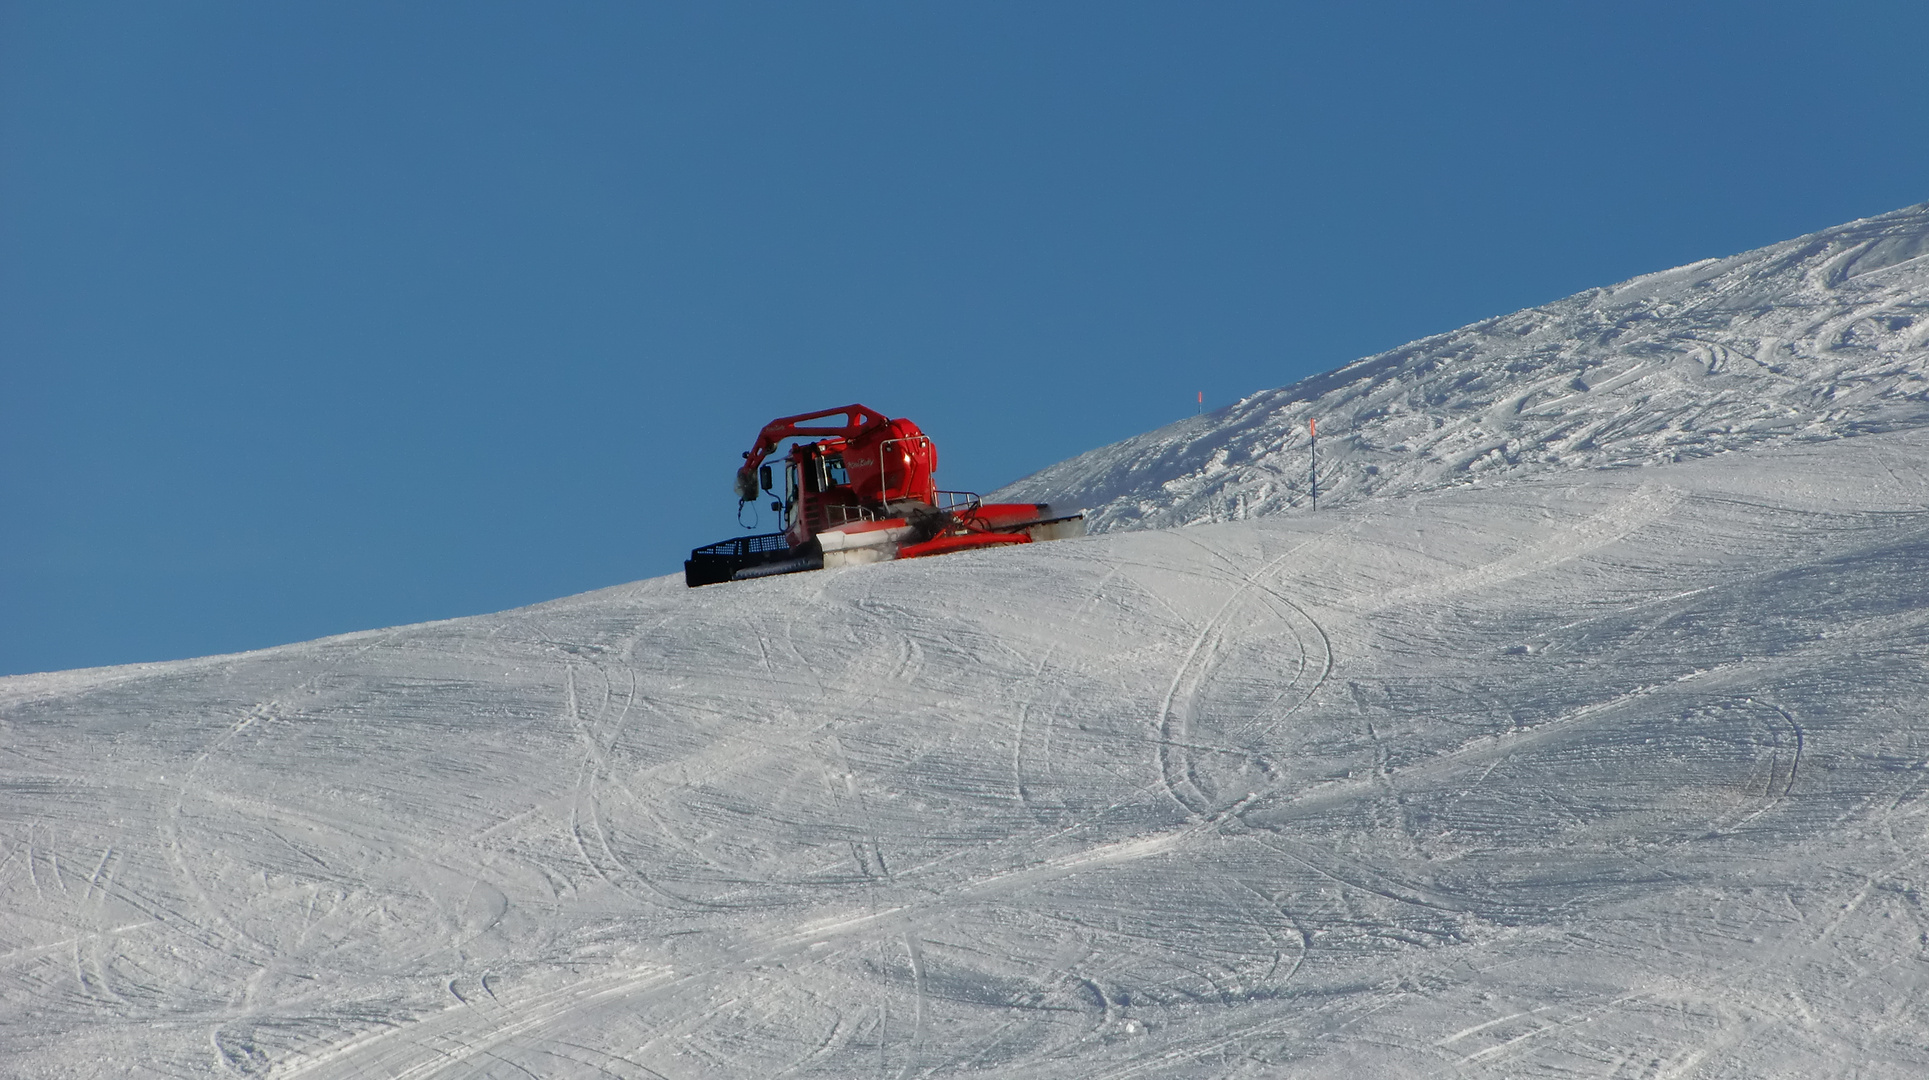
763, 474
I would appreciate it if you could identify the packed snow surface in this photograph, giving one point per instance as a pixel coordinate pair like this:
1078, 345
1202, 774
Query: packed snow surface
1591, 773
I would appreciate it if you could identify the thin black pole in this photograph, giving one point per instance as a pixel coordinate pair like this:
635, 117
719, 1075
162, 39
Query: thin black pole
1312, 479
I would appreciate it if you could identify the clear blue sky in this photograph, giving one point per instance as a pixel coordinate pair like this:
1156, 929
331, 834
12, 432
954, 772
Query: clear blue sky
318, 317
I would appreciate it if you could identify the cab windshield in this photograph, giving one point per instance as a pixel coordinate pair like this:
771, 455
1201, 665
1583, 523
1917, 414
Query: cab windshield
790, 491
824, 472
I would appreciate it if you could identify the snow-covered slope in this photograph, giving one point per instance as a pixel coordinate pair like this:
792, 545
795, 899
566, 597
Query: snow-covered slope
1603, 775
1815, 338
1600, 773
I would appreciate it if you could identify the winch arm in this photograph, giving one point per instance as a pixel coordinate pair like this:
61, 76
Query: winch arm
858, 420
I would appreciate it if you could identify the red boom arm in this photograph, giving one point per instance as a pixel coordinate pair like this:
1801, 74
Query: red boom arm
858, 420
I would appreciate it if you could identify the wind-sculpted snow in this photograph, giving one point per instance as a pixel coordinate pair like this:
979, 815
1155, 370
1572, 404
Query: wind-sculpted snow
1816, 338
1601, 774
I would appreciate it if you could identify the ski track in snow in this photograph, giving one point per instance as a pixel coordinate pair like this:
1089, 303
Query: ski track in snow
1592, 773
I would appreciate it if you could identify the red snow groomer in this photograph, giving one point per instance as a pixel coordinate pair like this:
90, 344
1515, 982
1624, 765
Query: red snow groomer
861, 493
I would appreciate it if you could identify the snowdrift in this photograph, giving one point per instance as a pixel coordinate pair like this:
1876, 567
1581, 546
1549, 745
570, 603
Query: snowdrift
1597, 772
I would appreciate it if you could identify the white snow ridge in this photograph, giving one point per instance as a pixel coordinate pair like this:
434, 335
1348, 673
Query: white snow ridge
1613, 772
1814, 338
